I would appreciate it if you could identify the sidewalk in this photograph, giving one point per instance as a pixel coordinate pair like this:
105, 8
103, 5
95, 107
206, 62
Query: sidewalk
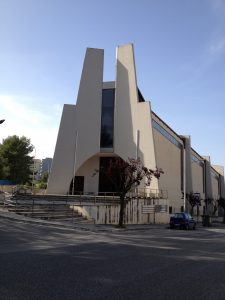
78, 226
90, 227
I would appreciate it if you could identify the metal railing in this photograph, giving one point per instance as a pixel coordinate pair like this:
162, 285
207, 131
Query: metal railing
44, 209
148, 193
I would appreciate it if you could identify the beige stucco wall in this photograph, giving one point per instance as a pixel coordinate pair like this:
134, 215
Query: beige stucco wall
87, 170
109, 214
197, 176
220, 170
197, 183
168, 157
215, 187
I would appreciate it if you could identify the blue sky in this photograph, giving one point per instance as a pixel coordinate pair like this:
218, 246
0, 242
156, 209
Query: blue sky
180, 61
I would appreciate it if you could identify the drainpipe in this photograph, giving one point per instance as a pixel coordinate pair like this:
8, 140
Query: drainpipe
74, 162
184, 175
137, 152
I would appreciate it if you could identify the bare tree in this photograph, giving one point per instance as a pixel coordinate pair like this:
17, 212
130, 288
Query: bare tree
194, 200
124, 175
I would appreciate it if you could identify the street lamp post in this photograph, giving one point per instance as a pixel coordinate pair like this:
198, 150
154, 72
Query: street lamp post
33, 169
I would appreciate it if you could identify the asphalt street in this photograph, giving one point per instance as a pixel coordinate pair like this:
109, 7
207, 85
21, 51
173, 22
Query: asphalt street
39, 262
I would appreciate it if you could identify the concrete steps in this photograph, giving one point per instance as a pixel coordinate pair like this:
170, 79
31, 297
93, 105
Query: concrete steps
39, 208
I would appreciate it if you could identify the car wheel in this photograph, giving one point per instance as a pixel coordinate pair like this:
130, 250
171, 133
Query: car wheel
171, 226
194, 227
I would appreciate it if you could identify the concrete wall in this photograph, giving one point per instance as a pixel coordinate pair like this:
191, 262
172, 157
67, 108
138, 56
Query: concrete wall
198, 179
220, 170
87, 170
109, 214
169, 158
198, 182
215, 188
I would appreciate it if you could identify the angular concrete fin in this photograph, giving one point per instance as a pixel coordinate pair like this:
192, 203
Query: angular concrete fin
208, 178
64, 153
132, 121
188, 175
89, 103
126, 100
79, 133
92, 75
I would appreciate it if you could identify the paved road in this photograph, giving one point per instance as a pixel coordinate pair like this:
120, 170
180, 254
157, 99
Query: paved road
38, 262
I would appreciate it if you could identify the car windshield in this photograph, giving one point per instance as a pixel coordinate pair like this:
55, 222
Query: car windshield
178, 216
188, 216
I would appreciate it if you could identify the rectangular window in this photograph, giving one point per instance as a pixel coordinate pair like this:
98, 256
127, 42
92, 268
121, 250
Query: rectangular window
166, 134
204, 177
198, 161
107, 120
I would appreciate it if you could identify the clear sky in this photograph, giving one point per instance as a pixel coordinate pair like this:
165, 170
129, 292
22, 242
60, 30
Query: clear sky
180, 61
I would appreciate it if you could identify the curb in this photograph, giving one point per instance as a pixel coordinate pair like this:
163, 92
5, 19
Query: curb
74, 226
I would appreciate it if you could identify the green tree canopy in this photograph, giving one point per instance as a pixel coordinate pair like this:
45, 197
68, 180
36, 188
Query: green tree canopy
42, 184
15, 162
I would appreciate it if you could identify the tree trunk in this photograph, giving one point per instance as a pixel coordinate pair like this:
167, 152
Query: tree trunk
122, 211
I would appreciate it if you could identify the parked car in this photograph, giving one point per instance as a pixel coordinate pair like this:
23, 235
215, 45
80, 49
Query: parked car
182, 221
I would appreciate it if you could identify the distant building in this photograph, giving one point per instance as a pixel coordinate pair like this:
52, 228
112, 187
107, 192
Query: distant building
36, 168
46, 164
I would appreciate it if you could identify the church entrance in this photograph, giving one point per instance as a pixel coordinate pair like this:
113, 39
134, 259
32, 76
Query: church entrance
77, 188
105, 183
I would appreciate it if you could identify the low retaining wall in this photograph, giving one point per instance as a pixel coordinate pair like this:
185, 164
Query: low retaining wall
109, 214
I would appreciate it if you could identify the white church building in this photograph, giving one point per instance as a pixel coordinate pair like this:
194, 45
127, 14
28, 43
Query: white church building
112, 119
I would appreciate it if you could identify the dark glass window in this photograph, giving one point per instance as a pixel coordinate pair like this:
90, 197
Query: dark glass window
166, 134
107, 122
197, 160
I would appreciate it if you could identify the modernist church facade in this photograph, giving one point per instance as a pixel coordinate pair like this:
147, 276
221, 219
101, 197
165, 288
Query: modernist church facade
112, 119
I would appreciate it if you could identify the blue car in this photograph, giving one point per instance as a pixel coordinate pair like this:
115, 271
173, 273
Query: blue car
182, 221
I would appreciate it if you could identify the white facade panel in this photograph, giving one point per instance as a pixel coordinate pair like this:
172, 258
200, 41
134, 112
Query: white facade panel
63, 161
133, 135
